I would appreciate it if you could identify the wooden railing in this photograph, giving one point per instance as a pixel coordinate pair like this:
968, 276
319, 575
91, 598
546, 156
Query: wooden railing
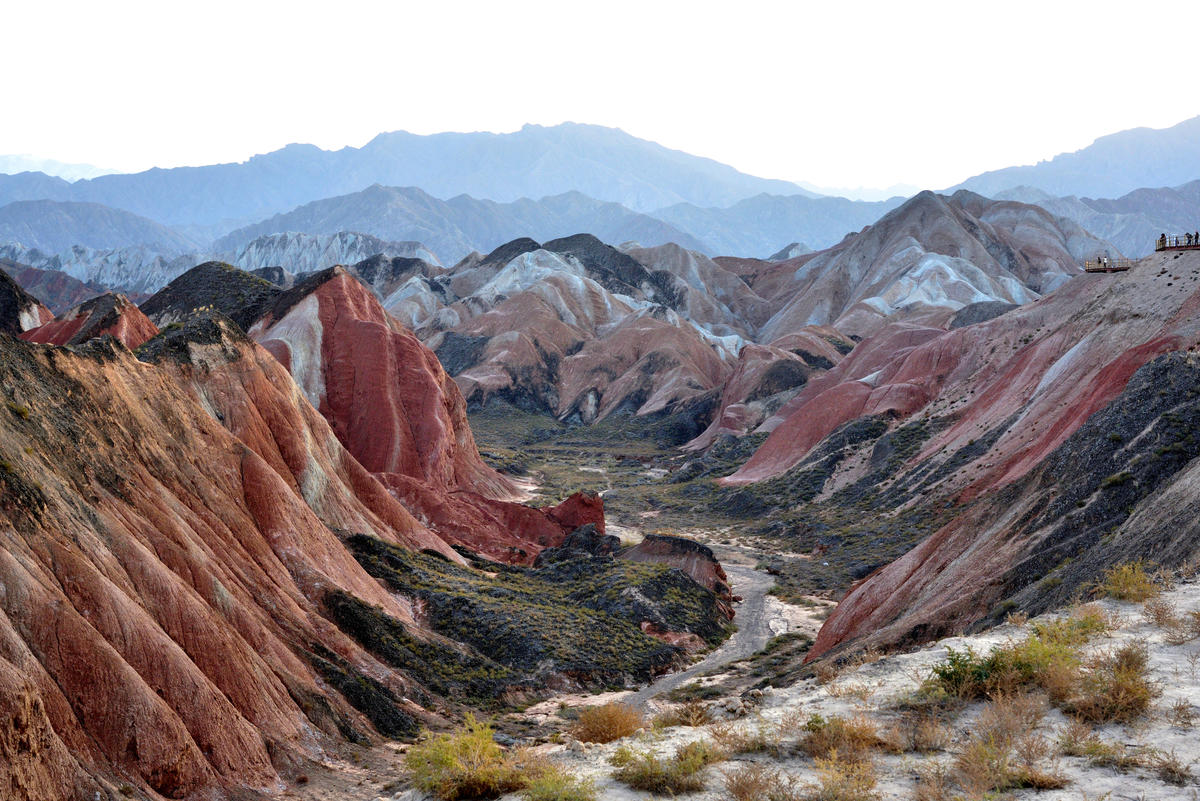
1104, 264
1182, 241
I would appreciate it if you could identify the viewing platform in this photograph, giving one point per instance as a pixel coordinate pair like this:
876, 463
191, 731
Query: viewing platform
1104, 264
1178, 242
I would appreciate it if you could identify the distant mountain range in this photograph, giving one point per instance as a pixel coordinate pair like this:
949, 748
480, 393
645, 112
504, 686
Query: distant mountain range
761, 225
70, 172
1112, 165
604, 163
1131, 222
453, 194
54, 227
456, 227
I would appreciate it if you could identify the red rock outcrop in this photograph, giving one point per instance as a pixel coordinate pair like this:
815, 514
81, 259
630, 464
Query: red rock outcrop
765, 377
403, 418
58, 290
167, 546
109, 314
19, 311
1023, 383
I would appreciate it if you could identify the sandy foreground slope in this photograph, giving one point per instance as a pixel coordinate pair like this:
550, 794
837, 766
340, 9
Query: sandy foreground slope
871, 690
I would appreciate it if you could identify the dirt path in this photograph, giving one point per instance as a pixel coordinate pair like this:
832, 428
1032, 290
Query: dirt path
753, 622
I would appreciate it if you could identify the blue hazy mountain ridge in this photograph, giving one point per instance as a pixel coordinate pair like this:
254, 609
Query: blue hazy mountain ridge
71, 172
1111, 166
57, 226
454, 228
761, 225
1131, 222
603, 163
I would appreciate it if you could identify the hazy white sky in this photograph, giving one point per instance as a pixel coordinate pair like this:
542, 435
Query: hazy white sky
839, 94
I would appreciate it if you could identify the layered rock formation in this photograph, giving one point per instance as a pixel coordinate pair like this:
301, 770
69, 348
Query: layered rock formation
167, 551
108, 314
394, 407
582, 330
180, 617
59, 291
994, 419
929, 258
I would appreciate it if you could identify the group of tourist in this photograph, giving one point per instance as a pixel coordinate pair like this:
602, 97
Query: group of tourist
1186, 240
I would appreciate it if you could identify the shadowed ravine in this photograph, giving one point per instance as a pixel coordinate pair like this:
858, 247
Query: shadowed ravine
753, 624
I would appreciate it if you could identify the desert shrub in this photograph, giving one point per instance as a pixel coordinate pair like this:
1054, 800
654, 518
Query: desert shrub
934, 782
466, 763
604, 723
735, 739
919, 731
689, 713
1178, 629
680, 773
1048, 659
982, 766
554, 784
1005, 752
1181, 714
1171, 769
1131, 581
1115, 687
1161, 612
851, 739
842, 780
758, 782
1078, 740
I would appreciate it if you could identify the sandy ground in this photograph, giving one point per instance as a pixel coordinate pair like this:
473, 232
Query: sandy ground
870, 688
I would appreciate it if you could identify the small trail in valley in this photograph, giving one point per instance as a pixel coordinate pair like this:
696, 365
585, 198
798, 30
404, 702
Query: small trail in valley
754, 626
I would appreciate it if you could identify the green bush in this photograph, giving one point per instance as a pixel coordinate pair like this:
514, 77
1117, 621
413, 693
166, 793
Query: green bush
463, 764
554, 784
678, 774
1131, 581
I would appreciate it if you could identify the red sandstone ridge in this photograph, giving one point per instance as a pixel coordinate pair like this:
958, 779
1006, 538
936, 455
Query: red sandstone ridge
57, 290
109, 314
1014, 411
396, 410
166, 552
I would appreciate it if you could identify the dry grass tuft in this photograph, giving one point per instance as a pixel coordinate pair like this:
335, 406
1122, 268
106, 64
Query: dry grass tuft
1170, 769
1161, 612
918, 732
758, 782
827, 672
606, 722
852, 739
689, 713
842, 780
1016, 618
736, 739
1181, 714
1079, 740
857, 690
935, 782
1114, 688
1005, 752
555, 784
